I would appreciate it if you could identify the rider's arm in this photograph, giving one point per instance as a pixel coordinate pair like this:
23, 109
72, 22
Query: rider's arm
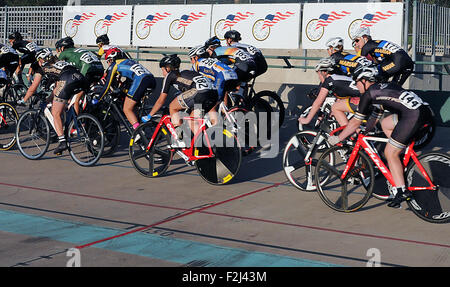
167, 82
33, 87
351, 127
316, 105
111, 72
159, 103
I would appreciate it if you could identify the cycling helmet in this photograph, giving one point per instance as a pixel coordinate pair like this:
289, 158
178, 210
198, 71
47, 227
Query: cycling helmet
233, 35
369, 73
325, 64
197, 51
335, 42
15, 36
170, 60
66, 42
44, 54
114, 53
214, 41
363, 31
102, 39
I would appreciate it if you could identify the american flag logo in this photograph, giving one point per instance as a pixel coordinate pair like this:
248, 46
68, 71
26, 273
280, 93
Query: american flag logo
272, 19
232, 19
109, 19
326, 19
78, 19
152, 19
370, 19
185, 20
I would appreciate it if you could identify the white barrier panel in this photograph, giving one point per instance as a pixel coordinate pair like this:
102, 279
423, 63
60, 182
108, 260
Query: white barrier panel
85, 23
171, 25
323, 21
275, 26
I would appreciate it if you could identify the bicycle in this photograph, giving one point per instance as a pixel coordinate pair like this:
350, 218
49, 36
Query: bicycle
8, 122
214, 151
13, 92
426, 177
84, 134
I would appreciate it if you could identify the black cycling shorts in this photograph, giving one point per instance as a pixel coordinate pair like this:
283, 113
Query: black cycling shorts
400, 68
192, 98
69, 84
245, 71
94, 76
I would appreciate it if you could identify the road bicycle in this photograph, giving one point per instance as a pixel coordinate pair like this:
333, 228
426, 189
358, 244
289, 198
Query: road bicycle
214, 150
349, 182
84, 134
8, 122
13, 92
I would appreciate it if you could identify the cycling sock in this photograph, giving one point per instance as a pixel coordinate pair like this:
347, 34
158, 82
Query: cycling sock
61, 139
135, 126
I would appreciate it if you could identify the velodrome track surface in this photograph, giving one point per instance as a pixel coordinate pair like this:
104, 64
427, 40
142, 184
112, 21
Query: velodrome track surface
118, 218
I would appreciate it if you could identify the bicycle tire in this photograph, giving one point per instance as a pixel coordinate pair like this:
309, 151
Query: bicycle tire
14, 93
85, 140
274, 101
8, 125
111, 129
153, 162
299, 174
225, 164
343, 199
426, 137
33, 134
263, 111
431, 206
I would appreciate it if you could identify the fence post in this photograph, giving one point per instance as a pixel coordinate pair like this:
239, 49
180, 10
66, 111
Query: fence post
414, 32
6, 23
433, 37
406, 26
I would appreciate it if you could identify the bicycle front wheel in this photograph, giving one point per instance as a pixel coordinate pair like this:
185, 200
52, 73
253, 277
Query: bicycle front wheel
274, 101
430, 205
33, 134
224, 165
352, 192
8, 123
85, 140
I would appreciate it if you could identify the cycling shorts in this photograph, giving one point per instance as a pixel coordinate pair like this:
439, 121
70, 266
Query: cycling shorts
407, 126
352, 104
400, 67
245, 71
225, 82
192, 98
69, 84
94, 76
140, 85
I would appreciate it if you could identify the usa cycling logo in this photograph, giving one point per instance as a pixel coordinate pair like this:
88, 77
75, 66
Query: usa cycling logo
71, 26
369, 20
261, 27
144, 26
102, 25
224, 25
316, 27
178, 26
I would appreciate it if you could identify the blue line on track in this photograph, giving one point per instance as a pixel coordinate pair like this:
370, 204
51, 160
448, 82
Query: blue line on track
148, 245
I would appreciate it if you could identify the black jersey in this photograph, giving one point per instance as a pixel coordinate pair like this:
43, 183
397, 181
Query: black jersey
185, 80
381, 50
25, 47
9, 59
347, 63
341, 86
53, 72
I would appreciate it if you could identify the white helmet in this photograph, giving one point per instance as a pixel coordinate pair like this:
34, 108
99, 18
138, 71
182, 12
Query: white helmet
369, 73
363, 31
197, 51
44, 53
325, 64
335, 42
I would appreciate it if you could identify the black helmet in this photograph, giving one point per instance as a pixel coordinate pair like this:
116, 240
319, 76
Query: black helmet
214, 41
103, 39
66, 42
170, 60
15, 36
233, 34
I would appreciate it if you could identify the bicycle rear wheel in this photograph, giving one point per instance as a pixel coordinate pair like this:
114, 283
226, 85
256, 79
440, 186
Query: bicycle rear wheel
274, 101
111, 128
224, 165
430, 205
351, 193
85, 140
8, 124
155, 161
33, 134
264, 114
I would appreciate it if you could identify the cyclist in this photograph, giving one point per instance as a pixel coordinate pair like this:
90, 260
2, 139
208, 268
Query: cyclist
340, 86
9, 60
195, 91
232, 39
393, 61
28, 49
138, 80
103, 45
67, 81
409, 115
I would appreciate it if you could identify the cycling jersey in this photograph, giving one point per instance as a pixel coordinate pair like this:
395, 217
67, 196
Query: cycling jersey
139, 77
347, 63
410, 108
69, 81
9, 59
257, 56
223, 77
28, 49
244, 65
85, 61
341, 86
393, 60
104, 48
195, 89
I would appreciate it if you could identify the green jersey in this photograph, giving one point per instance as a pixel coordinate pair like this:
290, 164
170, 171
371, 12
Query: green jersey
84, 60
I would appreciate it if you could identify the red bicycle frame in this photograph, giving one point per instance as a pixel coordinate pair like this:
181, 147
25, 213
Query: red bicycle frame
362, 142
